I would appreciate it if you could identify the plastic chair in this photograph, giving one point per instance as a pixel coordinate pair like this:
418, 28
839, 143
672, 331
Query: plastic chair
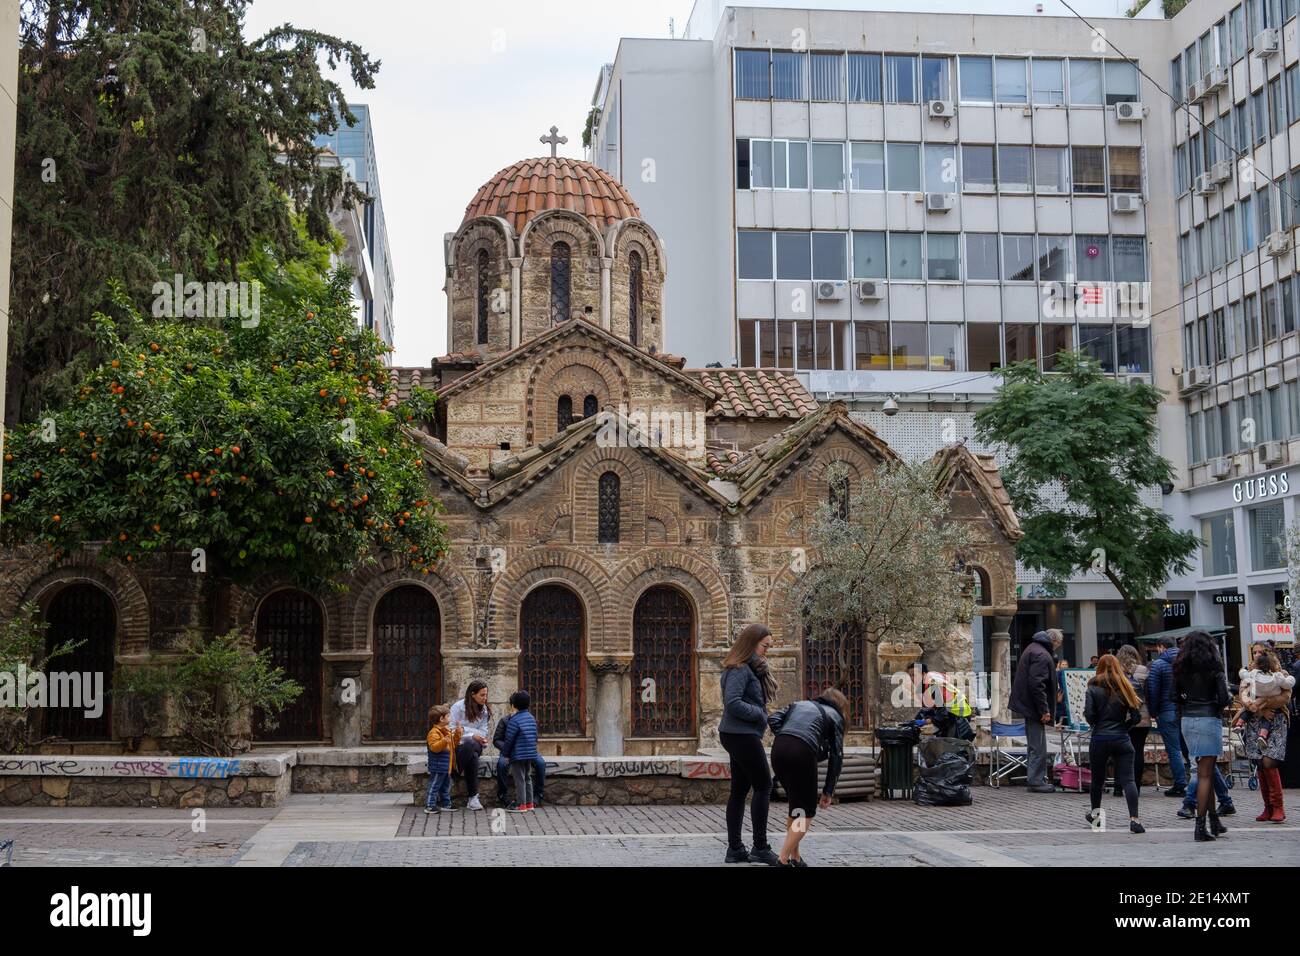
1004, 762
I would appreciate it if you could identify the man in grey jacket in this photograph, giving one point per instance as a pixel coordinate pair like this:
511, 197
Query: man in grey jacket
1032, 693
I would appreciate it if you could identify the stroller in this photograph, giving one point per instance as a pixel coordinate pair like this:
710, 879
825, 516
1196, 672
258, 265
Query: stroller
1240, 766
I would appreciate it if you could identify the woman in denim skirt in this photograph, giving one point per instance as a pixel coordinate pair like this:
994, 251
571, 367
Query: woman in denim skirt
1202, 686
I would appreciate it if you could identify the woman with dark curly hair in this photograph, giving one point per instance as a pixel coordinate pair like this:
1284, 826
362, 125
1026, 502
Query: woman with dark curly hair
1202, 686
1265, 719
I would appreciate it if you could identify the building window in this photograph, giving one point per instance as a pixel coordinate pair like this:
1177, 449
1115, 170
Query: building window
869, 255
864, 78
1092, 258
828, 166
563, 413
1018, 258
871, 346
1121, 82
753, 79
975, 78
830, 255
1129, 254
978, 171
946, 348
1098, 343
484, 294
905, 255
940, 169
1085, 83
1053, 258
1125, 169
909, 346
828, 77
838, 498
941, 256
900, 79
982, 256
754, 254
867, 166
633, 296
903, 167
771, 164
936, 80
793, 256
1010, 83
1049, 82
1051, 169
788, 76
608, 508
1088, 168
560, 283
1267, 537
1134, 348
589, 406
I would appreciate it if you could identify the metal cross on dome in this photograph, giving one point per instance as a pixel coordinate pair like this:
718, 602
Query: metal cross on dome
554, 139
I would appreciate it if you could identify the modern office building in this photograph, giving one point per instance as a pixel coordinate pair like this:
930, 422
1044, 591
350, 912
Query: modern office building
1235, 150
355, 148
896, 205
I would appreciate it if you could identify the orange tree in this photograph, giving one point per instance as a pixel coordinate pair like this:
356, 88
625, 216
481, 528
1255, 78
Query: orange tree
264, 442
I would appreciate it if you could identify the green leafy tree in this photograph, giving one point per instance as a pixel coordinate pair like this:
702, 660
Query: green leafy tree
153, 139
266, 447
883, 564
208, 692
1093, 437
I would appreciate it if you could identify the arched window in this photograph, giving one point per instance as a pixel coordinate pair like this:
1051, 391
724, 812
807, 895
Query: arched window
589, 406
633, 296
483, 295
607, 508
563, 413
559, 283
839, 495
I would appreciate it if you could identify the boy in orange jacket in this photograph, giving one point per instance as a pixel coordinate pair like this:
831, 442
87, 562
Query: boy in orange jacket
442, 742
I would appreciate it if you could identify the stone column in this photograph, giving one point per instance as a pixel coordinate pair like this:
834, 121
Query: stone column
344, 670
1000, 668
516, 301
606, 299
609, 673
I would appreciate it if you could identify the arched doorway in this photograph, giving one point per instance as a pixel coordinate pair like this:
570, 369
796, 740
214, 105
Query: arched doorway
663, 651
839, 663
82, 614
406, 666
290, 623
551, 668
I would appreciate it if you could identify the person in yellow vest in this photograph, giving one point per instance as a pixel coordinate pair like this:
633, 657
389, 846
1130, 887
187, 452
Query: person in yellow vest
943, 704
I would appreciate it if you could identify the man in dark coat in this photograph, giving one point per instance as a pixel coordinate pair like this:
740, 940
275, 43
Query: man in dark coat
1033, 692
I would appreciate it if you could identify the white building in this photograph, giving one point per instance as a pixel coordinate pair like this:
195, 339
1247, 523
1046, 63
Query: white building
896, 203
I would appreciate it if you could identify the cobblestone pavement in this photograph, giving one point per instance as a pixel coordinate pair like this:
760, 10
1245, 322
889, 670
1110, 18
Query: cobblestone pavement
1005, 827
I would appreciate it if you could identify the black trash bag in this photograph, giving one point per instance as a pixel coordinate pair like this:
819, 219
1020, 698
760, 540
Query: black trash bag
903, 734
947, 772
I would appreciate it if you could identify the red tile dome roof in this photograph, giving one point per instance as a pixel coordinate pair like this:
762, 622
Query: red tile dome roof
530, 186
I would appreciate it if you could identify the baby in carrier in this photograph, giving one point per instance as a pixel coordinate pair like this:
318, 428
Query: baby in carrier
1258, 685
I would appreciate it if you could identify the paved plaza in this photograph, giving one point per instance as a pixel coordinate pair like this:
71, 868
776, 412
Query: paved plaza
1004, 827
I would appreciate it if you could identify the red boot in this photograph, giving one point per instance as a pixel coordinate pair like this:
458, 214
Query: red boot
1279, 812
1266, 790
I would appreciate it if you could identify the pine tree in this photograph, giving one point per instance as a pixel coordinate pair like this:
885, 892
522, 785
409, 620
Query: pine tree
154, 140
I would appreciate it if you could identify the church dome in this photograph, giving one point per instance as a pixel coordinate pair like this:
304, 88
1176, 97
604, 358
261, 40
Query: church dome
531, 186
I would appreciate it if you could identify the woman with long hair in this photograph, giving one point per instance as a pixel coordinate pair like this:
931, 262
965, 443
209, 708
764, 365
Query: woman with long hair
1130, 661
1265, 723
473, 717
807, 732
1202, 686
747, 686
1110, 709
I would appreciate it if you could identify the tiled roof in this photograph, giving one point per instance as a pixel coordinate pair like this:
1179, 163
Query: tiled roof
469, 357
530, 186
719, 461
957, 459
405, 379
756, 393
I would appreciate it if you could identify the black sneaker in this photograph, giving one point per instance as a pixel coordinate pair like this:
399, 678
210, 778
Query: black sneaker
1135, 827
764, 855
430, 809
738, 855
1176, 792
1042, 788
1187, 813
1226, 809
449, 809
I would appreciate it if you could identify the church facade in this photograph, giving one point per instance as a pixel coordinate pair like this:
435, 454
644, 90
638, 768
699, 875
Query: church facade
615, 516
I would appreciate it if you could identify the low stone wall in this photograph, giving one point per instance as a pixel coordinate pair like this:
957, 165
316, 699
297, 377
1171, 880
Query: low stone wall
363, 770
76, 781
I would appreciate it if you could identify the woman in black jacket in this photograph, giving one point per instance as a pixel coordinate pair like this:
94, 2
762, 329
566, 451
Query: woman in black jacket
1202, 686
1111, 709
747, 685
807, 731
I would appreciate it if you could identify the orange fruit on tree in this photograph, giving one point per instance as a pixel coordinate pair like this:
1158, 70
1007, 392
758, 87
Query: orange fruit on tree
307, 520
56, 519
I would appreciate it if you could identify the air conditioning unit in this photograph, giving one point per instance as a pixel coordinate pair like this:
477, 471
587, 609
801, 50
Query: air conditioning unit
1270, 452
940, 202
1129, 112
1221, 172
1277, 243
1195, 93
1214, 79
1204, 185
1194, 379
831, 291
1125, 202
869, 290
1220, 468
940, 109
1266, 42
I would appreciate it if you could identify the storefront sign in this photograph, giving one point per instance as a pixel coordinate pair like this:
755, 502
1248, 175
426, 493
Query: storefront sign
1278, 633
1265, 486
1230, 598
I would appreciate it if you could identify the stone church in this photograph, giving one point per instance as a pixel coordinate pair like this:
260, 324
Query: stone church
616, 516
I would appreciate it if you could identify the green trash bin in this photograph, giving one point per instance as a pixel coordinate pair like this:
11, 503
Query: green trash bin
897, 746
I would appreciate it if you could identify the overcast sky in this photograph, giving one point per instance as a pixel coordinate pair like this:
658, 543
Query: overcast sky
466, 88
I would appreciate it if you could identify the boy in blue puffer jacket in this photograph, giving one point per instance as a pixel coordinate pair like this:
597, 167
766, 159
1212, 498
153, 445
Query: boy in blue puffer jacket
520, 748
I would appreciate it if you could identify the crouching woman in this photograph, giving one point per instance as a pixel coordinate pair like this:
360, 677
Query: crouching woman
807, 732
